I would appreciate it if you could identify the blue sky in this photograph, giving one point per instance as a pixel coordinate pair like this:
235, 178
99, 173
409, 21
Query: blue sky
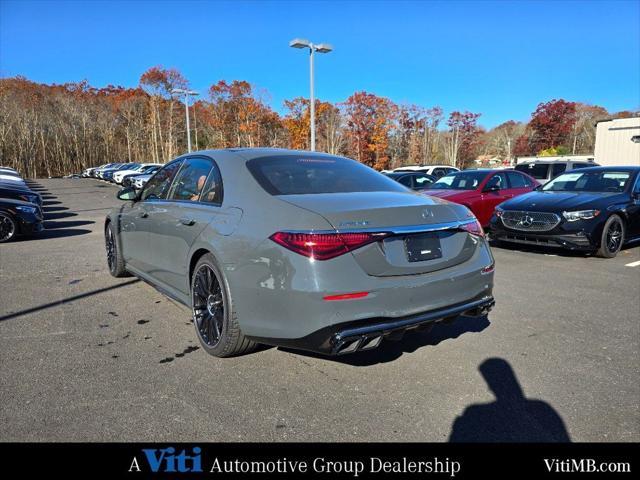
497, 58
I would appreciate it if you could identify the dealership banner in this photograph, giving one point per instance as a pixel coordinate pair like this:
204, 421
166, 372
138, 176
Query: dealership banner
301, 460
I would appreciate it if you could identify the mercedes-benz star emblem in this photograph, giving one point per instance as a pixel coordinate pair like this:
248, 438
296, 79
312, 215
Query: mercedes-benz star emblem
526, 221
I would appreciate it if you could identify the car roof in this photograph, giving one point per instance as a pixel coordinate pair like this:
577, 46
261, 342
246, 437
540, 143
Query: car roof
624, 168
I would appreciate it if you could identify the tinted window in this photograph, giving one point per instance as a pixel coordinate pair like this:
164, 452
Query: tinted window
498, 180
557, 169
581, 165
158, 186
212, 192
191, 179
422, 181
439, 172
518, 181
406, 181
636, 188
460, 181
536, 170
311, 174
585, 181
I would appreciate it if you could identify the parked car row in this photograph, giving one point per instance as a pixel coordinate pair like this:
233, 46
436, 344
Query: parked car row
121, 172
587, 207
20, 207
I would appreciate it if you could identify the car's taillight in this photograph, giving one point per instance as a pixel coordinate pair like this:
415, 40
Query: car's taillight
323, 246
473, 228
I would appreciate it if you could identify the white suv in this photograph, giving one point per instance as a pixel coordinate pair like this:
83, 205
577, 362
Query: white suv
434, 170
545, 170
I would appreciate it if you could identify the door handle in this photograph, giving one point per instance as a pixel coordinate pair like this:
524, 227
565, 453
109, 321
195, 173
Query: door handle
187, 221
144, 215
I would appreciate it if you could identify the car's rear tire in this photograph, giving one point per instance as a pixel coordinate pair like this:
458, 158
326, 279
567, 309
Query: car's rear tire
115, 262
612, 237
214, 316
8, 227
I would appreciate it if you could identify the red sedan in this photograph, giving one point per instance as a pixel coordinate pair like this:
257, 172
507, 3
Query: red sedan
482, 190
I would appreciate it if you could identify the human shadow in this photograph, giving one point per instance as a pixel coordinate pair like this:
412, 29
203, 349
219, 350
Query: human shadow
390, 350
511, 417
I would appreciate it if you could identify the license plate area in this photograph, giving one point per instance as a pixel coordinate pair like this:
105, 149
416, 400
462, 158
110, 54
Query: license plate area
423, 247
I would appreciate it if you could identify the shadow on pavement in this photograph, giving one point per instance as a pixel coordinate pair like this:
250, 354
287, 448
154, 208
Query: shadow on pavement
54, 224
45, 306
389, 350
511, 417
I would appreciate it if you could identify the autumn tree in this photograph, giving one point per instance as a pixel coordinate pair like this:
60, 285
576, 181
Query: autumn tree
158, 83
369, 119
551, 124
462, 138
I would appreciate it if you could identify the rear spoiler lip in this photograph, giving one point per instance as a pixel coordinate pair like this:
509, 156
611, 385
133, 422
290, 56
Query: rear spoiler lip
397, 230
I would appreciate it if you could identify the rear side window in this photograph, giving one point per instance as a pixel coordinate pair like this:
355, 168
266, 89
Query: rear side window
212, 192
538, 171
313, 174
517, 180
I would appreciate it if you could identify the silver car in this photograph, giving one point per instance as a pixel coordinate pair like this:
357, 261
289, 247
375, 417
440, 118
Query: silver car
299, 249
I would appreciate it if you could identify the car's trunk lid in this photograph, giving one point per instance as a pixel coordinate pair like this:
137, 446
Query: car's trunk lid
407, 216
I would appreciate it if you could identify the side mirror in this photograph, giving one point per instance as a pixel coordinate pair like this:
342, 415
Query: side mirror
492, 188
128, 194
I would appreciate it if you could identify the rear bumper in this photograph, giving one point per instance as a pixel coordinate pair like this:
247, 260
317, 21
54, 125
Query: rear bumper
367, 334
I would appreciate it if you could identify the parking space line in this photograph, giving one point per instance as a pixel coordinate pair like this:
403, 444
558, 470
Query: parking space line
633, 264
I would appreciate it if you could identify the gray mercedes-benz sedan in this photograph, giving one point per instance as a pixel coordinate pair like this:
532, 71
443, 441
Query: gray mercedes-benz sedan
299, 249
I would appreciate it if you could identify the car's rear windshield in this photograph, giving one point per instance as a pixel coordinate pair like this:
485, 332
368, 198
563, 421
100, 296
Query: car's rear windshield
581, 181
298, 175
459, 181
539, 171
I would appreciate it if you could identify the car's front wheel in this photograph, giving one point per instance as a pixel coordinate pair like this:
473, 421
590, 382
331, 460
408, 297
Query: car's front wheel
612, 237
115, 262
8, 227
214, 316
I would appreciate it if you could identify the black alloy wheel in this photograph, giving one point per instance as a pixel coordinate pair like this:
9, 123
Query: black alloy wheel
7, 227
612, 237
208, 305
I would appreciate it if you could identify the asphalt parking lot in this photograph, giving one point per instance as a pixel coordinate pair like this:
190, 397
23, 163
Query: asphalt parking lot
86, 357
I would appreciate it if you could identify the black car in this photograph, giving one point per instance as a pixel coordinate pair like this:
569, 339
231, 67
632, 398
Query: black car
19, 218
19, 193
413, 180
593, 209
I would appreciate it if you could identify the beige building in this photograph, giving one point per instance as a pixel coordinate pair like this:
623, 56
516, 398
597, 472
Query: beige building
618, 142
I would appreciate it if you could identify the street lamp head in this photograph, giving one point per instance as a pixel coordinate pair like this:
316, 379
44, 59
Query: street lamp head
323, 48
192, 92
300, 43
178, 90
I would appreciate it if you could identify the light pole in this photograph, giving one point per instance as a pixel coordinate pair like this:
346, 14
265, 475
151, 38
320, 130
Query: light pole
320, 48
187, 94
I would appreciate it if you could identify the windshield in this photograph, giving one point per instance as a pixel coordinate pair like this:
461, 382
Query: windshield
312, 174
598, 181
459, 181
